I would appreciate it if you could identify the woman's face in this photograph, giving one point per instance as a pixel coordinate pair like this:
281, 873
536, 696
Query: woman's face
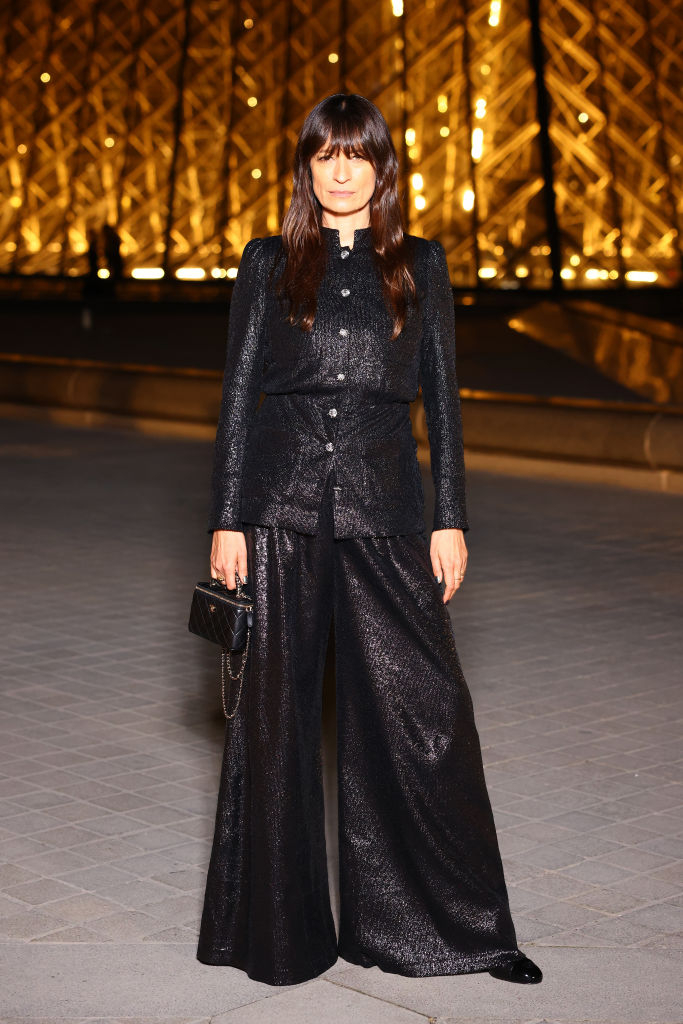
342, 184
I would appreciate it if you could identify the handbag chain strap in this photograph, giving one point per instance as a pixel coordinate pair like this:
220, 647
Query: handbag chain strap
225, 659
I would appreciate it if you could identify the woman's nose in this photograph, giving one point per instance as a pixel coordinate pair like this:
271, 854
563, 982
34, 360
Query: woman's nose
341, 169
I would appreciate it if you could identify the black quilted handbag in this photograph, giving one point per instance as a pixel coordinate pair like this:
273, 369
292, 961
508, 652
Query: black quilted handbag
224, 617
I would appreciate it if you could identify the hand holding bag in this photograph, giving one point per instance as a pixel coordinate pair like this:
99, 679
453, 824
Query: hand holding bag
224, 617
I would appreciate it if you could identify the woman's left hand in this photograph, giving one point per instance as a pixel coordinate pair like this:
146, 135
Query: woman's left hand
449, 559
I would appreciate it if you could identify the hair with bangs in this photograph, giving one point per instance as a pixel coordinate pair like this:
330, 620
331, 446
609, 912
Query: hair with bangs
353, 124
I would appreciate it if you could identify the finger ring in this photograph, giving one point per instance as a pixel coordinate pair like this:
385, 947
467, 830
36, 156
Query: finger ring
221, 578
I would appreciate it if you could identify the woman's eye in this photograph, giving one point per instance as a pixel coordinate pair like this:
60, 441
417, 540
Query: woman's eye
352, 156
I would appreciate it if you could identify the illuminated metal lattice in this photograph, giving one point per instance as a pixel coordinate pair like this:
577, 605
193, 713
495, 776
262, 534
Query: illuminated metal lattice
541, 146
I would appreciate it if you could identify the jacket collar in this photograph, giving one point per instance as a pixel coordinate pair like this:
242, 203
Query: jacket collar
362, 238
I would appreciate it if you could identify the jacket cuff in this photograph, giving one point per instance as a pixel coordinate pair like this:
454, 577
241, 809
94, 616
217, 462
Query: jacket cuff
450, 522
226, 521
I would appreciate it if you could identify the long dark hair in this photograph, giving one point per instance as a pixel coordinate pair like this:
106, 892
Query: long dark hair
354, 124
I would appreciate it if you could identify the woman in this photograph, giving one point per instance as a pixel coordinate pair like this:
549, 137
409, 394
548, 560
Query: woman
317, 501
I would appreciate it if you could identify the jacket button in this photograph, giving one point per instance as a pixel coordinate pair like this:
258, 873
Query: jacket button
343, 332
340, 376
332, 412
329, 446
345, 292
344, 253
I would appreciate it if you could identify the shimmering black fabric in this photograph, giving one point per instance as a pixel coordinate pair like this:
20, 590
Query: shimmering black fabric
421, 880
338, 397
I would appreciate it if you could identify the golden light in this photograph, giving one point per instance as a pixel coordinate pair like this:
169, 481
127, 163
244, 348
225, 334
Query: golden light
103, 273
605, 258
494, 13
190, 273
645, 276
147, 273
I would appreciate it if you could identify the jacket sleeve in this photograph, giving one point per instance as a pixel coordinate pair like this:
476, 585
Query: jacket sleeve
440, 395
241, 388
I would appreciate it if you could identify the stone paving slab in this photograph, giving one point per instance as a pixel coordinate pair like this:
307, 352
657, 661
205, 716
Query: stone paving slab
568, 628
163, 983
615, 985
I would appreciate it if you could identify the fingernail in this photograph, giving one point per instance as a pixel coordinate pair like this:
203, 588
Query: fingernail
244, 579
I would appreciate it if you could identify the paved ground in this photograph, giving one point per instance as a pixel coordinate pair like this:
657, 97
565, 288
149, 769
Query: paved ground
569, 631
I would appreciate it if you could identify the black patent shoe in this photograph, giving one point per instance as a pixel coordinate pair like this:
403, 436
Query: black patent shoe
524, 972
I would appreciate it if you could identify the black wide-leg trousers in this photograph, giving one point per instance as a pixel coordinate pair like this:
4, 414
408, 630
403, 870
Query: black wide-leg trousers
422, 889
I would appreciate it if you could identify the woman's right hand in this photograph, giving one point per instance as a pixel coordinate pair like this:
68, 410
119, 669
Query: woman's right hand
229, 553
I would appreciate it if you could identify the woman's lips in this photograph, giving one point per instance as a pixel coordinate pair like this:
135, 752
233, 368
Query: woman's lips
341, 193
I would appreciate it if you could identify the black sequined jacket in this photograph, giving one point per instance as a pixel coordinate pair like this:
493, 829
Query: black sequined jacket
338, 396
